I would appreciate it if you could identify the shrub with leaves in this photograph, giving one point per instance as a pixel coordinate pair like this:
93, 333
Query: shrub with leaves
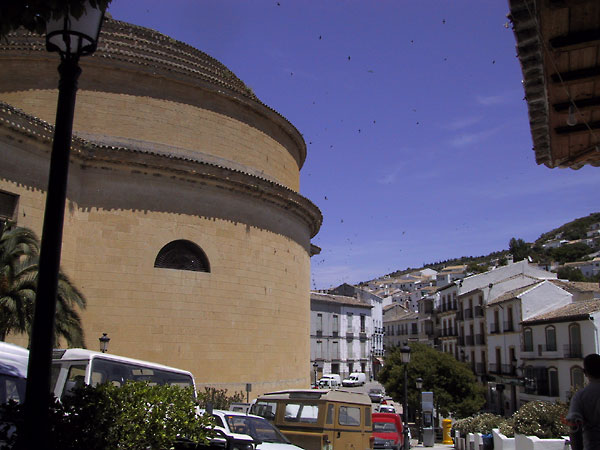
218, 398
507, 427
480, 423
541, 419
133, 416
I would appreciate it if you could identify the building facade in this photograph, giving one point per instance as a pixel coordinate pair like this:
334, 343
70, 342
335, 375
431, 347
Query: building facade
184, 225
341, 335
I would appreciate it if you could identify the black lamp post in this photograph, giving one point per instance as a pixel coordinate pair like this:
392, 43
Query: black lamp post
419, 384
104, 340
315, 366
71, 37
405, 356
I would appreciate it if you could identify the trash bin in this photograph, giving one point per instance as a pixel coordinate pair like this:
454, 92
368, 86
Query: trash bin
488, 441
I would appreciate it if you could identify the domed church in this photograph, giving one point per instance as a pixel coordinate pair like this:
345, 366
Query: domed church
184, 225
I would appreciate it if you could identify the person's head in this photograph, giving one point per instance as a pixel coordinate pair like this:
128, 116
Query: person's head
591, 365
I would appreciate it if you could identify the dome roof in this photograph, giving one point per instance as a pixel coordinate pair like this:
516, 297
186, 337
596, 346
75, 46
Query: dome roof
144, 46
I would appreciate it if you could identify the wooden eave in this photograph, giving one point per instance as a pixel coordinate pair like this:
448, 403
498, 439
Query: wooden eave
558, 46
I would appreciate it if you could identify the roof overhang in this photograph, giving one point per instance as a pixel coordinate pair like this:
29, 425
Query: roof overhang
558, 46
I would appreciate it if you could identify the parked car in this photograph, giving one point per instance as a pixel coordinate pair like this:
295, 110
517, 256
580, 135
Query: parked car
386, 409
355, 379
260, 430
332, 376
387, 431
319, 419
376, 395
328, 383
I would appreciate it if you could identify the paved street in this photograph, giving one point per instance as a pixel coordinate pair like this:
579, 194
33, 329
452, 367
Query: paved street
375, 384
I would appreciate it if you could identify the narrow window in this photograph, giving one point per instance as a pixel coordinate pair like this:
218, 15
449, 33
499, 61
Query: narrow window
550, 339
527, 340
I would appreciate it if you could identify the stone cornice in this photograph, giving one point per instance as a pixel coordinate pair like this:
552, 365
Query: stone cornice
90, 154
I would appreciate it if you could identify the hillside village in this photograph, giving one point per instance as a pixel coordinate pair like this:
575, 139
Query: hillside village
521, 328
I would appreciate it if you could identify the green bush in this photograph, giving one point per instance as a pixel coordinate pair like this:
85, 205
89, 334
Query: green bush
218, 398
507, 427
480, 423
133, 416
541, 419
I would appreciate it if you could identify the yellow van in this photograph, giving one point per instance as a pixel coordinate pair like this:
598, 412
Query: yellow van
319, 419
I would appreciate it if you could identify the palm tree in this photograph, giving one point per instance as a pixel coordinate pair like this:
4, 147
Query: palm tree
19, 257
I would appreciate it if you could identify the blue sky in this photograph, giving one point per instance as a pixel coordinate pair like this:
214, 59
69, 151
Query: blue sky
417, 133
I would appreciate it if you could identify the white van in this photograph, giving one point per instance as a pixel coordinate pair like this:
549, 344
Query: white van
332, 376
13, 372
75, 367
355, 379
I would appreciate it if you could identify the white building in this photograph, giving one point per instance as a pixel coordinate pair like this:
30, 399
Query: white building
503, 317
341, 334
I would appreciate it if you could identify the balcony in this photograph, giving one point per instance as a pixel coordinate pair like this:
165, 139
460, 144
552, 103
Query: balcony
469, 340
509, 369
461, 341
319, 333
494, 328
468, 313
480, 339
479, 311
362, 336
335, 333
459, 315
572, 351
349, 335
494, 368
508, 326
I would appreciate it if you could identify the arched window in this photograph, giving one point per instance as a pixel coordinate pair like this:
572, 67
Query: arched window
574, 341
551, 339
182, 255
553, 382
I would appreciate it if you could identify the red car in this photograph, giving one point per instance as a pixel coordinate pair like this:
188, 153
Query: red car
387, 431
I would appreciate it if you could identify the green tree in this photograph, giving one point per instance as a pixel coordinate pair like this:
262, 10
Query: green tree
454, 386
571, 274
570, 252
19, 250
518, 248
33, 14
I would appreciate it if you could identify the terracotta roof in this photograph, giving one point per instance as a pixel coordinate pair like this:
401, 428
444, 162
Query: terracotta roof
573, 311
402, 315
339, 299
577, 286
514, 293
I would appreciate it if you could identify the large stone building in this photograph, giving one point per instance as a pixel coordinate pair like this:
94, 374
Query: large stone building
184, 225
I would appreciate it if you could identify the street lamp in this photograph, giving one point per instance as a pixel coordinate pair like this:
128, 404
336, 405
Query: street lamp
71, 37
419, 384
104, 340
405, 356
315, 366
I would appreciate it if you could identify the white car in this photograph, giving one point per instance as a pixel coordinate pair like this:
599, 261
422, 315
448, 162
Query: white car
256, 427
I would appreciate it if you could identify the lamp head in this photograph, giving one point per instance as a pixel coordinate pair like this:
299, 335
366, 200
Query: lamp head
74, 35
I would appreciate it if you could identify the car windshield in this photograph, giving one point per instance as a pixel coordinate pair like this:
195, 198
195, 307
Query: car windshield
256, 427
384, 427
375, 391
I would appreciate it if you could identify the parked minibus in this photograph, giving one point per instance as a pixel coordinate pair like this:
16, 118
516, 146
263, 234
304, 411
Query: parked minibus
319, 419
75, 367
13, 372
